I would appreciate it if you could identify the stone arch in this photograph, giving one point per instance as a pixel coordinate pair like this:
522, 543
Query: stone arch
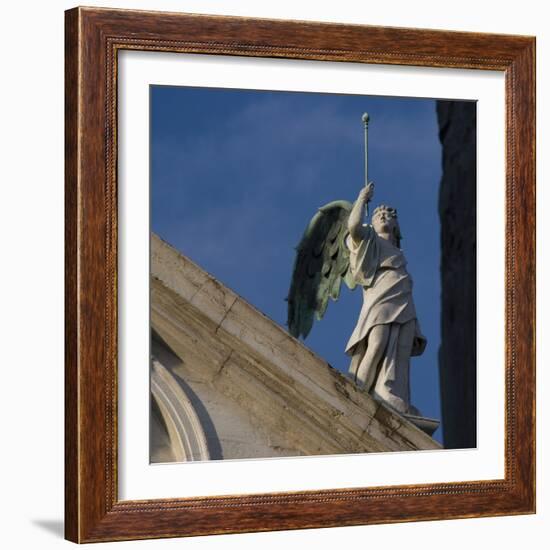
187, 438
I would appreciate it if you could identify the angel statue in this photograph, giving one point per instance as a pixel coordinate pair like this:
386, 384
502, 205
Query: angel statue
338, 246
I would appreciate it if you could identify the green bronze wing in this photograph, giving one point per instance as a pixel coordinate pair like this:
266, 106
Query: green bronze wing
322, 261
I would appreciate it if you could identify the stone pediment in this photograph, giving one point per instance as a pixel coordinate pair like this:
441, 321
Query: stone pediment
230, 383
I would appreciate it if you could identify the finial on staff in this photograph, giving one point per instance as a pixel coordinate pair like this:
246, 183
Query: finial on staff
365, 119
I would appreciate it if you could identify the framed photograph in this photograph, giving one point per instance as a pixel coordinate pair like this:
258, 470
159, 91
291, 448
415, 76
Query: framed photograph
300, 275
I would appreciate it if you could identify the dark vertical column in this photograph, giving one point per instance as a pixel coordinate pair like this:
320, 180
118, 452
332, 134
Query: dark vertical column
457, 211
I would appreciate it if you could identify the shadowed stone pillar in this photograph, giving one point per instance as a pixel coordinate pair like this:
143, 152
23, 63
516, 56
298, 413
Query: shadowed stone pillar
457, 211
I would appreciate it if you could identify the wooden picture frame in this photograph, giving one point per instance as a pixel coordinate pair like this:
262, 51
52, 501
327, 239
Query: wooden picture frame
93, 511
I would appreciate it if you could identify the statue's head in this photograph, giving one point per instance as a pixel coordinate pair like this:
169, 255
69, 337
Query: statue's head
384, 221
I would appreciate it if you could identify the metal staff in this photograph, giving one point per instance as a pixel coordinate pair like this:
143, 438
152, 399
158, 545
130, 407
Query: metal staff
365, 119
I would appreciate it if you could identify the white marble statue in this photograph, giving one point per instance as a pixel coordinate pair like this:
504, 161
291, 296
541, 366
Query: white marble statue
387, 332
338, 246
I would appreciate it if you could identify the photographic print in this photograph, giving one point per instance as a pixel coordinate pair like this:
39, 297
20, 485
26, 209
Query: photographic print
313, 274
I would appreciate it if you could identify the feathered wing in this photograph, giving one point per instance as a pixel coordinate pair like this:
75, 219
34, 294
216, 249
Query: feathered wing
322, 262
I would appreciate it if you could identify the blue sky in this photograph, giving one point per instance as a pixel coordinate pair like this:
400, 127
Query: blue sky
236, 175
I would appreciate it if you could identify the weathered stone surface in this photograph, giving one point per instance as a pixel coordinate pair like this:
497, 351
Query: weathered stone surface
258, 391
457, 210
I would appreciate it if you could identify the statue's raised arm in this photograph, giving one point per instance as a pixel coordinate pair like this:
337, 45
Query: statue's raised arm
355, 220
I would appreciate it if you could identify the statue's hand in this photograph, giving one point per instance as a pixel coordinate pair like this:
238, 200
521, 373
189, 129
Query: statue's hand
365, 195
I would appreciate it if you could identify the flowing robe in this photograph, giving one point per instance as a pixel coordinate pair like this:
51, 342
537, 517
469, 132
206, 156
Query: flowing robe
380, 268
